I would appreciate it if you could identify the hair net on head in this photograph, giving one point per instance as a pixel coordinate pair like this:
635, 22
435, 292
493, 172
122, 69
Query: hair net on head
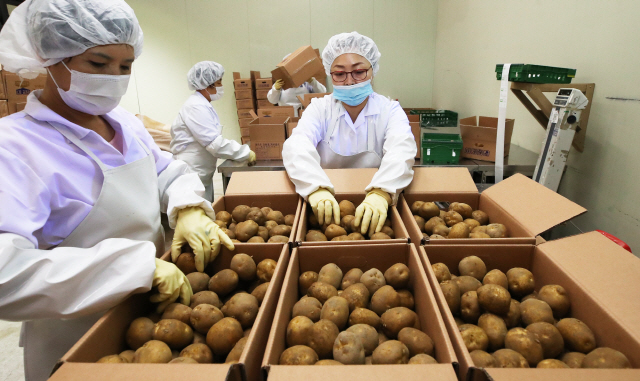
40, 33
204, 74
352, 42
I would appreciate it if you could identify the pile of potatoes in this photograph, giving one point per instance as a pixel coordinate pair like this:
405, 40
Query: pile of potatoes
345, 231
213, 329
358, 318
502, 313
255, 225
460, 221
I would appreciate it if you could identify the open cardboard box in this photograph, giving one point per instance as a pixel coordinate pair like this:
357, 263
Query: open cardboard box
274, 111
600, 277
525, 207
364, 257
107, 336
298, 67
241, 83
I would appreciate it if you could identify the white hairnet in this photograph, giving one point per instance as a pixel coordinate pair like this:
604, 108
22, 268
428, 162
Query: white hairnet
352, 42
40, 33
204, 74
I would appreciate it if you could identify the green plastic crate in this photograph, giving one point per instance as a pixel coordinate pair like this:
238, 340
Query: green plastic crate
436, 118
441, 148
537, 73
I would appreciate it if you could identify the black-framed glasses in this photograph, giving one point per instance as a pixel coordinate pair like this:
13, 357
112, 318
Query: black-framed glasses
357, 75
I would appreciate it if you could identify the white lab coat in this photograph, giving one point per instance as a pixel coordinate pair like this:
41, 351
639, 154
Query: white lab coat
288, 97
393, 142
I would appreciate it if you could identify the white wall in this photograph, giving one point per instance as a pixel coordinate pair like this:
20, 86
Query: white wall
246, 35
600, 40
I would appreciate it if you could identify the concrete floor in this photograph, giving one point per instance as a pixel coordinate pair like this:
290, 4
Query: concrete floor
11, 361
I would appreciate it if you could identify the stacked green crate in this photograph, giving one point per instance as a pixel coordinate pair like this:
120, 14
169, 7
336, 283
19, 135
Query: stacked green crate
436, 118
537, 73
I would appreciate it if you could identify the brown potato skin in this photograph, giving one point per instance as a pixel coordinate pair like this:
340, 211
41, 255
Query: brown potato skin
270, 225
482, 359
496, 230
298, 331
378, 236
513, 317
224, 216
278, 239
577, 336
390, 352
467, 283
469, 307
334, 231
348, 349
350, 278
199, 352
451, 218
315, 236
112, 359
322, 337
328, 362
322, 291
154, 351
495, 328
204, 316
265, 269
573, 359
357, 295
244, 266
442, 272
174, 333
224, 282
257, 216
368, 337
243, 307
534, 311
309, 307
441, 230
256, 239
474, 337
471, 223
336, 309
186, 262
549, 337
525, 343
428, 210
422, 359
451, 292
480, 216
373, 279
330, 274
384, 299
557, 298
365, 316
205, 297
306, 280
463, 209
551, 364
239, 213
236, 352
224, 335
521, 282
508, 358
245, 230
415, 207
289, 219
346, 208
198, 281
495, 299
355, 236
139, 332
128, 355
260, 292
416, 341
430, 224
388, 231
395, 319
496, 277
420, 222
459, 230
276, 216
397, 276
284, 230
406, 299
298, 355
346, 223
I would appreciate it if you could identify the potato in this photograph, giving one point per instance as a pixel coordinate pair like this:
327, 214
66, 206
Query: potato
440, 230
240, 212
346, 208
365, 316
263, 233
112, 359
348, 349
355, 236
373, 280
525, 343
451, 292
513, 317
471, 223
428, 210
350, 278
330, 274
367, 335
459, 230
474, 337
328, 362
508, 358
406, 299
480, 229
336, 309
496, 277
415, 207
154, 352
390, 352
534, 311
467, 283
431, 224
577, 335
266, 210
495, 299
205, 297
139, 332
469, 307
243, 307
341, 238
472, 266
441, 271
379, 236
306, 280
246, 229
397, 276
314, 236
334, 231
278, 239
232, 227
463, 209
270, 225
416, 341
556, 297
199, 352
382, 338
309, 307
397, 318
521, 282
533, 295
357, 296
422, 359
298, 355
186, 262
224, 335
260, 292
322, 337
451, 218
420, 222
298, 331
496, 230
383, 299
549, 337
256, 239
177, 311
265, 269
198, 281
276, 216
289, 219
224, 216
255, 214
480, 216
573, 359
174, 333
284, 230
388, 231
482, 359
224, 282
244, 266
478, 235
235, 354
322, 291
495, 328
128, 355
551, 364
346, 223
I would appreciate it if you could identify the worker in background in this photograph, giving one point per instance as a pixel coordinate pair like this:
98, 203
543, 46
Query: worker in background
83, 183
354, 127
289, 97
196, 133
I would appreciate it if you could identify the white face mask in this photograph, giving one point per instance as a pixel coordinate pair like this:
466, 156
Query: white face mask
219, 93
94, 94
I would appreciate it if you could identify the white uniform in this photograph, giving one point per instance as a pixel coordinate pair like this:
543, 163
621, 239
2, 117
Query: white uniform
326, 137
288, 97
196, 138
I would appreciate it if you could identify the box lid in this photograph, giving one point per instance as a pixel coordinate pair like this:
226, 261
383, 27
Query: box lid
441, 180
141, 372
260, 183
403, 372
350, 180
543, 208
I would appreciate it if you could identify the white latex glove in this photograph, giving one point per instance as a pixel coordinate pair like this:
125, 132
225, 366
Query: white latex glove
324, 206
372, 212
171, 283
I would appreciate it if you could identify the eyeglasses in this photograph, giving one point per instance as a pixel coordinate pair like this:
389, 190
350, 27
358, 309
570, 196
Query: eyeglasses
357, 75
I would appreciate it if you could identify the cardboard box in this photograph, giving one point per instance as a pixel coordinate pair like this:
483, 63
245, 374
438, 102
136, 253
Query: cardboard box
3, 90
245, 113
244, 94
244, 132
479, 137
414, 122
4, 108
244, 122
264, 103
18, 89
364, 257
320, 75
261, 93
287, 111
267, 136
298, 67
107, 336
525, 207
264, 84
246, 104
245, 140
241, 83
254, 75
305, 100
261, 183
590, 267
290, 127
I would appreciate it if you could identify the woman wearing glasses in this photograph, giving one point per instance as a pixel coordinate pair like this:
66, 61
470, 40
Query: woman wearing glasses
353, 127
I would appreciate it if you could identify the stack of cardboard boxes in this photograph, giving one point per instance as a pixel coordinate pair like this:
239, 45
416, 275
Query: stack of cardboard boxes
245, 103
14, 91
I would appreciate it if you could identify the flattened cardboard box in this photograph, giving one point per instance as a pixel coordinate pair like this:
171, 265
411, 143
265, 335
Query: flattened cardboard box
298, 67
107, 336
364, 257
525, 207
479, 137
591, 269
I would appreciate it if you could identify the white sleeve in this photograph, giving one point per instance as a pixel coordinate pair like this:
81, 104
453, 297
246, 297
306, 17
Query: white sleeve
273, 95
299, 153
317, 86
398, 155
203, 122
228, 149
68, 282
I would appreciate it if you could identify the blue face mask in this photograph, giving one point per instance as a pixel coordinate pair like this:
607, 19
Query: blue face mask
353, 95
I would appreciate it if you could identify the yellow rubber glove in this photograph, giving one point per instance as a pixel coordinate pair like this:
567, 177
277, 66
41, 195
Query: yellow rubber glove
311, 79
252, 158
324, 206
171, 283
279, 84
202, 234
373, 211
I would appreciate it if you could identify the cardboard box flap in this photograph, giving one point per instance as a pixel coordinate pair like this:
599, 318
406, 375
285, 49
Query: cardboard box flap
140, 372
543, 208
442, 372
441, 180
497, 374
253, 114
260, 183
350, 180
